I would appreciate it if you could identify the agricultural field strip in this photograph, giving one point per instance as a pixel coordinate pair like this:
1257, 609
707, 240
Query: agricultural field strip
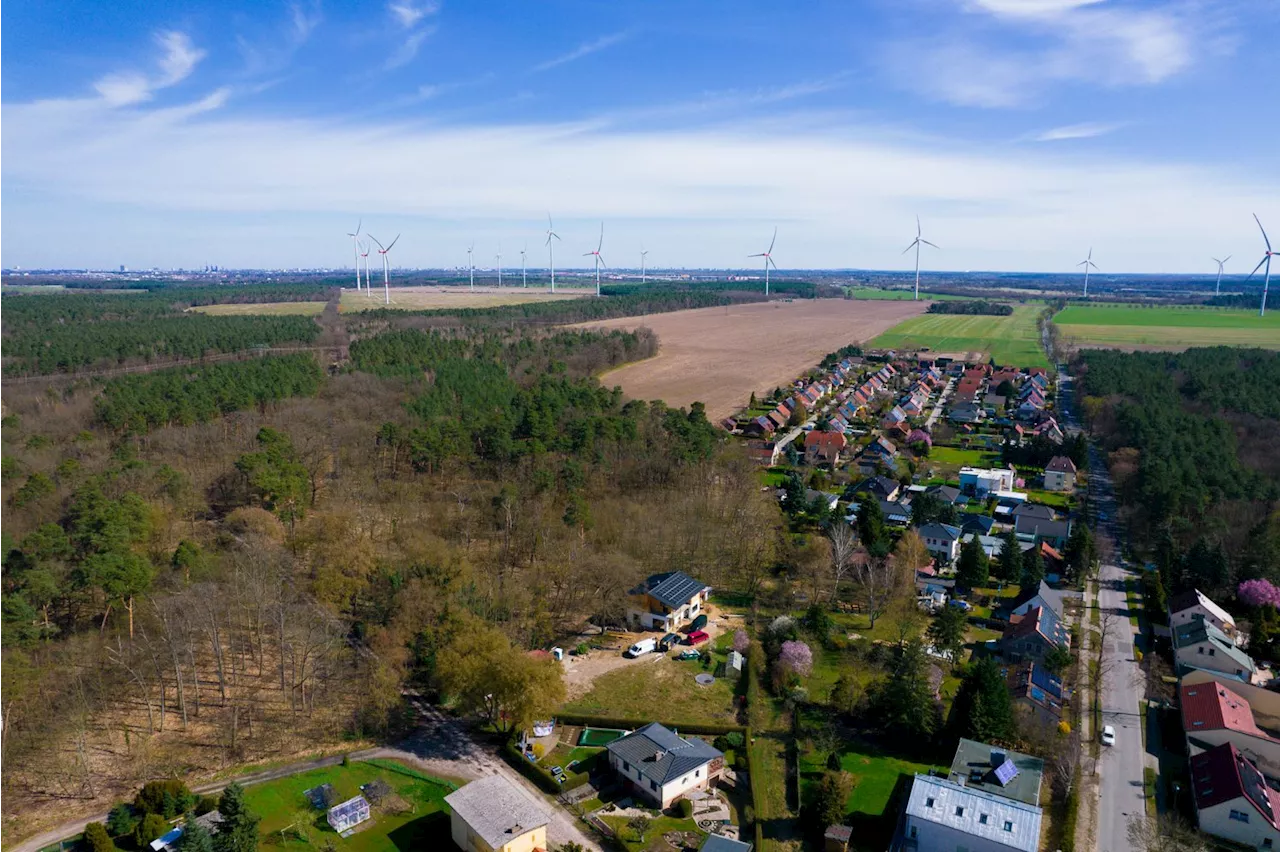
1168, 327
719, 356
436, 298
261, 309
1013, 339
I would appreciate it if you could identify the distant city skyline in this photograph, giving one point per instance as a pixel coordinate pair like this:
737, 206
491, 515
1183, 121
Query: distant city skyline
255, 136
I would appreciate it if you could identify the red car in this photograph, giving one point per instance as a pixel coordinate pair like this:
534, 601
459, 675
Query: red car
696, 636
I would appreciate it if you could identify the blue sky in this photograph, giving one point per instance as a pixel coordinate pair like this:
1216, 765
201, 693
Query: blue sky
1022, 132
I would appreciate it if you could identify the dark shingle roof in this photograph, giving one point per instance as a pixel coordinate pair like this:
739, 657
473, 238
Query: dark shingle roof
662, 755
1223, 774
1039, 527
675, 588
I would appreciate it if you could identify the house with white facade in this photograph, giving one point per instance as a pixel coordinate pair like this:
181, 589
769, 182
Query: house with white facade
944, 816
493, 815
666, 601
1187, 606
1213, 714
1200, 645
981, 482
1233, 800
942, 540
1060, 474
660, 766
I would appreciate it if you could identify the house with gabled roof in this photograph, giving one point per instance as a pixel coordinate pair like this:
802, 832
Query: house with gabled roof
1032, 635
1199, 645
1214, 714
1036, 692
1042, 595
824, 447
660, 766
1233, 800
942, 540
880, 487
667, 601
491, 814
1186, 607
1031, 528
882, 447
1060, 474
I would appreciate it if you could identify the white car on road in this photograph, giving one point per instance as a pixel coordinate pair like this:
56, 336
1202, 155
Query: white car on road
1108, 735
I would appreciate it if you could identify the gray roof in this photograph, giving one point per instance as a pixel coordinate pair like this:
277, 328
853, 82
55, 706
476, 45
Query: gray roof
1012, 824
719, 843
1052, 598
662, 755
1034, 510
948, 493
1044, 529
496, 810
975, 764
1198, 631
937, 530
674, 588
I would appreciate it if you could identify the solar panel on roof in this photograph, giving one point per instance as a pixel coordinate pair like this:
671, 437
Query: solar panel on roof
1006, 772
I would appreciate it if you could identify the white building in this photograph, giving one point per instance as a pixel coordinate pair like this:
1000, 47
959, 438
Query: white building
660, 766
1060, 474
942, 540
493, 815
983, 482
944, 816
1188, 606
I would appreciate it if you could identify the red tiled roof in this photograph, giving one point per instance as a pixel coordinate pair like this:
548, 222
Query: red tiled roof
1211, 706
825, 440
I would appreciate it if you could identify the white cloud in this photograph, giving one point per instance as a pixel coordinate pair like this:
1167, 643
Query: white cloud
971, 63
698, 197
408, 14
585, 49
1085, 130
178, 60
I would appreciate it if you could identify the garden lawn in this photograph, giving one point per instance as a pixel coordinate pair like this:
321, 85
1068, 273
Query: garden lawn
662, 690
963, 458
1012, 341
425, 825
657, 827
875, 776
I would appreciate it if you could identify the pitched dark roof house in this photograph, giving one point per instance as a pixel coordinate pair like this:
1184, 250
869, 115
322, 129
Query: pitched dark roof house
662, 755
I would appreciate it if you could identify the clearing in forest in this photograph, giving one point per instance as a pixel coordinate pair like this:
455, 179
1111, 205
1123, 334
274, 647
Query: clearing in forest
430, 298
719, 356
1013, 340
247, 309
1165, 327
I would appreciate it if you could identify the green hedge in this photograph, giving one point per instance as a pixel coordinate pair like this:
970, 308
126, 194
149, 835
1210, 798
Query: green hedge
712, 728
535, 773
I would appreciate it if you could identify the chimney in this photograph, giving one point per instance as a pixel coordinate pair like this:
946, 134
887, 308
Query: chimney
997, 757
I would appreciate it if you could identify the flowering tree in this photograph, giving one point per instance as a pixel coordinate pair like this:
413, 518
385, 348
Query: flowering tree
1258, 593
782, 624
795, 660
740, 641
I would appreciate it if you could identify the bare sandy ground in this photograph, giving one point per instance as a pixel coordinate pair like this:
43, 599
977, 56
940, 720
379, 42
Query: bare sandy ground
718, 356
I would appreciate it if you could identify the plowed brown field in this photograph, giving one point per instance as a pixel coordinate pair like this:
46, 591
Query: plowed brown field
718, 356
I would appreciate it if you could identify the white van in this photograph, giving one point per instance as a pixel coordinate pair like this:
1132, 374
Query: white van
644, 646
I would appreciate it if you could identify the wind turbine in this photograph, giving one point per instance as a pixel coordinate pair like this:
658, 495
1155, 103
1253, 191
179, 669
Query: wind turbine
1217, 288
524, 275
643, 253
551, 252
386, 274
355, 250
1087, 263
768, 260
499, 257
1266, 260
599, 261
471, 267
364, 252
915, 244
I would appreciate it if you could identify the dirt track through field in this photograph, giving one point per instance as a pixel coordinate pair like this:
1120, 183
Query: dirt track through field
718, 356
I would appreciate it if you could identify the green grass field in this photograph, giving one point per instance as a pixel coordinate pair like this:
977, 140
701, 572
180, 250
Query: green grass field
1166, 327
876, 294
420, 819
639, 689
875, 775
1013, 340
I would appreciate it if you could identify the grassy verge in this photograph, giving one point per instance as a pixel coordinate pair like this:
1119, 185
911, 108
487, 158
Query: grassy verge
769, 766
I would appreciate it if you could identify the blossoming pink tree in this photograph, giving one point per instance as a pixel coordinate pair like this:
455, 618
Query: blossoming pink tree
1258, 593
795, 661
740, 641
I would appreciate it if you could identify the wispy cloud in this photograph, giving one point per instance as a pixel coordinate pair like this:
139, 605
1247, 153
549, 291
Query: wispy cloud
271, 52
409, 16
179, 58
971, 62
585, 49
1085, 130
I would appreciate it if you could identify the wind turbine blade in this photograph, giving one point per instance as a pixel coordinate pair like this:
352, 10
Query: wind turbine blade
375, 239
926, 242
774, 240
1265, 258
603, 265
600, 244
393, 242
1094, 265
588, 253
910, 247
1265, 239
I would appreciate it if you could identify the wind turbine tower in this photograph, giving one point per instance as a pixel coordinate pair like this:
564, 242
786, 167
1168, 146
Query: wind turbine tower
386, 268
599, 261
355, 250
524, 274
915, 244
499, 258
1266, 260
1217, 288
551, 251
471, 267
1088, 264
643, 253
364, 253
768, 260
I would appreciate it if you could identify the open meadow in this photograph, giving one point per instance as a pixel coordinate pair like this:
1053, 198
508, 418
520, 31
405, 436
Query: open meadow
259, 309
1173, 328
719, 356
1013, 340
430, 298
